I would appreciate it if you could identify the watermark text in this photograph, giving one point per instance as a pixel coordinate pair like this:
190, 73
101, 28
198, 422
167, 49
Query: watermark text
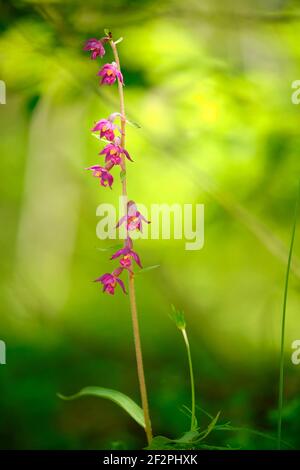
168, 221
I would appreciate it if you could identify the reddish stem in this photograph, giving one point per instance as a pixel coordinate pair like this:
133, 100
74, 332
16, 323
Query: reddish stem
133, 307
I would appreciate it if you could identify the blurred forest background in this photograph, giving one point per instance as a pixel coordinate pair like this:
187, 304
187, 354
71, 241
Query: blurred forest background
210, 83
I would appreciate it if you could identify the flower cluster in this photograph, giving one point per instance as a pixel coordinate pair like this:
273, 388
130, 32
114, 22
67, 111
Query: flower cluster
126, 255
114, 154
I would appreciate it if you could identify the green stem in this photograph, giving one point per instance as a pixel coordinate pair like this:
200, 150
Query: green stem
283, 321
187, 344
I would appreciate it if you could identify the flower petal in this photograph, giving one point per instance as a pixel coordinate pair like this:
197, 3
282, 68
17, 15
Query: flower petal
118, 253
136, 258
121, 283
127, 155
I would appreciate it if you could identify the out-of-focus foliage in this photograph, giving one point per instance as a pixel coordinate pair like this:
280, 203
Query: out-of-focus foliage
210, 83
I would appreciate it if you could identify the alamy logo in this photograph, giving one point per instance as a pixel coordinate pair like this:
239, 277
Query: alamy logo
296, 354
2, 352
167, 221
295, 97
2, 92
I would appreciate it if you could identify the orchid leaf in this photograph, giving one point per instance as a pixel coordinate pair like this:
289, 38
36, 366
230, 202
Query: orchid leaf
134, 124
102, 139
112, 247
134, 410
148, 268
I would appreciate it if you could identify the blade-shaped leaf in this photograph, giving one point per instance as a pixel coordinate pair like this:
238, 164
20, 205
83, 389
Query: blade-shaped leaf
148, 268
188, 437
161, 443
211, 426
111, 247
207, 447
97, 136
134, 410
134, 124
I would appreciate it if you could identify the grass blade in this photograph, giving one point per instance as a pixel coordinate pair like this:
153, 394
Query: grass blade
281, 366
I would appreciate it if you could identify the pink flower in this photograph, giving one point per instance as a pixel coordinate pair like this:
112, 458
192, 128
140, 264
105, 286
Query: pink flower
96, 47
106, 179
133, 218
113, 154
110, 73
127, 254
106, 129
110, 281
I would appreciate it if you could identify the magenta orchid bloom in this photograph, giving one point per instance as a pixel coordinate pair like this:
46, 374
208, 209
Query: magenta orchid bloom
106, 129
127, 254
113, 154
133, 218
106, 179
96, 47
109, 74
110, 281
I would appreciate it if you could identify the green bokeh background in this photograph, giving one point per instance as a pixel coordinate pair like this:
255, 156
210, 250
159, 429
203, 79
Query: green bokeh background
210, 83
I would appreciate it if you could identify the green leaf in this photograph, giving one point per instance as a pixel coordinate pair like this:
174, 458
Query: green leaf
161, 443
107, 32
283, 321
102, 139
194, 436
207, 447
211, 426
149, 268
188, 437
112, 247
134, 124
119, 398
205, 412
97, 136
